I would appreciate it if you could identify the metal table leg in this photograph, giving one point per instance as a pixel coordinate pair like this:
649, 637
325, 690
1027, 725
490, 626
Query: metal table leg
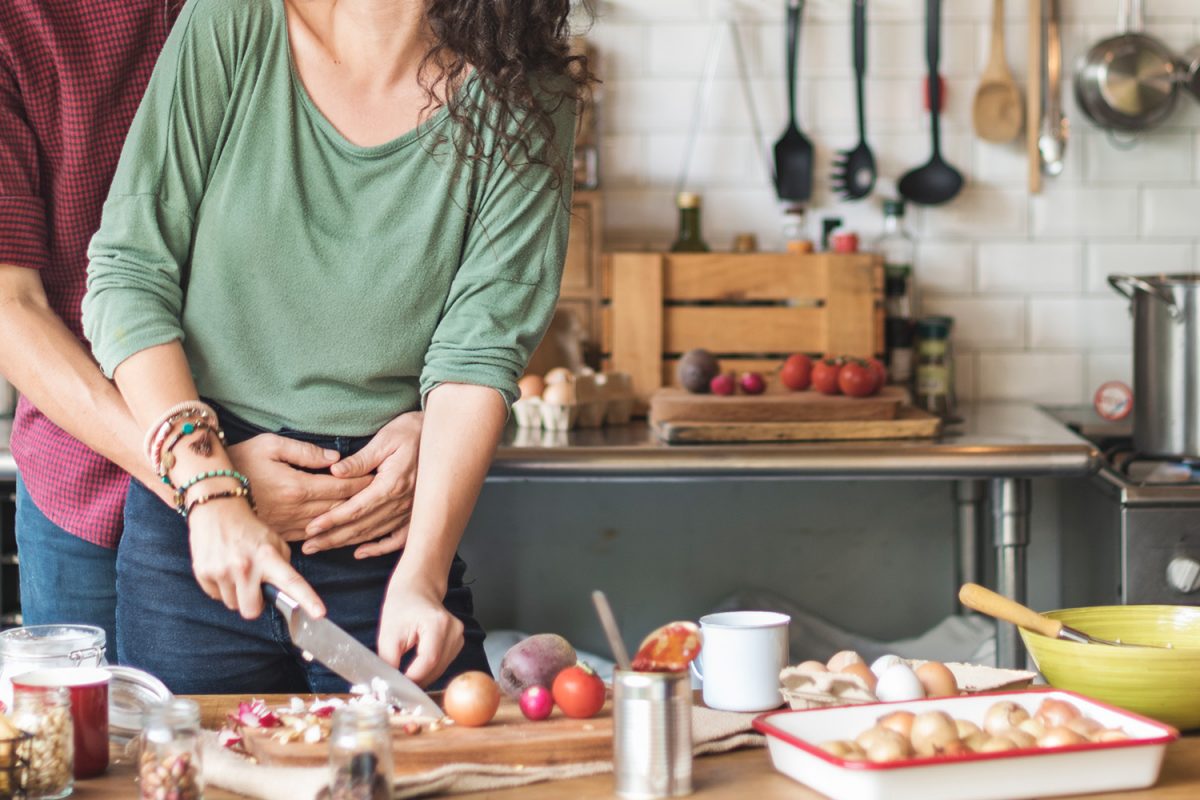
969, 496
1010, 499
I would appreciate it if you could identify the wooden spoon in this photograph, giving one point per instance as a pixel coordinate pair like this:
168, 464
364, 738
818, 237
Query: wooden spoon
997, 114
985, 601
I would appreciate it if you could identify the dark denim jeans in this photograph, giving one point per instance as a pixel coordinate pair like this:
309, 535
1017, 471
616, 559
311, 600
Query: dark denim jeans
169, 627
64, 579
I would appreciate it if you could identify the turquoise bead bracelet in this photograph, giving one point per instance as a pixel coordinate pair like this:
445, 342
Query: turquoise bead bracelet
181, 491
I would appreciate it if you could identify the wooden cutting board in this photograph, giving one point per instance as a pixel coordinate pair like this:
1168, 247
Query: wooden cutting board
508, 739
776, 405
911, 423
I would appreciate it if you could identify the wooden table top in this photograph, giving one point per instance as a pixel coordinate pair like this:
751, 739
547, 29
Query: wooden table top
732, 776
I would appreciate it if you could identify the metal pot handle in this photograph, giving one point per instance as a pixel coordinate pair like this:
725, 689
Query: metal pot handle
1122, 284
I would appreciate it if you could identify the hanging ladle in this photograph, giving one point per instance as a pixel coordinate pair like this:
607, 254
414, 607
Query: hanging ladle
937, 182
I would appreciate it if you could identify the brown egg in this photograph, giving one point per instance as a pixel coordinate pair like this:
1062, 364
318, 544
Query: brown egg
863, 672
937, 679
531, 386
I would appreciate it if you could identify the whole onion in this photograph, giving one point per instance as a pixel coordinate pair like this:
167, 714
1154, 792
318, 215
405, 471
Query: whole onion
966, 729
997, 744
1002, 716
1020, 738
1054, 713
1111, 735
932, 731
850, 751
899, 721
1034, 728
1085, 727
1060, 737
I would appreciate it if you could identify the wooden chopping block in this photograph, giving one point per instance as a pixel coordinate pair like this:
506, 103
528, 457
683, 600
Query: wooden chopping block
676, 405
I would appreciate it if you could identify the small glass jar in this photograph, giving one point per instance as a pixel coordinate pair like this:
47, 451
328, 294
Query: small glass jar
170, 764
49, 753
360, 753
934, 388
46, 646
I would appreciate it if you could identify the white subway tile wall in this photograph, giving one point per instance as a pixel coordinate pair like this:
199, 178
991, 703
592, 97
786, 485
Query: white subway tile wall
1025, 276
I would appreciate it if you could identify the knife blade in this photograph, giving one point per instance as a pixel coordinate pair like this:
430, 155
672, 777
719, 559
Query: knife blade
346, 656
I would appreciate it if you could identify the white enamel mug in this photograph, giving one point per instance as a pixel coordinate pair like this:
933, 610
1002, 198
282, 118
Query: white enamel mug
740, 661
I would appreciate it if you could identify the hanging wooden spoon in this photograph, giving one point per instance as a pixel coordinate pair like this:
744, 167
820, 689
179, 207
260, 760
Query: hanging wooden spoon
998, 113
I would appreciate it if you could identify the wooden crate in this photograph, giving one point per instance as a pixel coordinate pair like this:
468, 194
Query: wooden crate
750, 310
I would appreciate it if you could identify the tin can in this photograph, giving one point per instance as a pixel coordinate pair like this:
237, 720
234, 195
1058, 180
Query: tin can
652, 734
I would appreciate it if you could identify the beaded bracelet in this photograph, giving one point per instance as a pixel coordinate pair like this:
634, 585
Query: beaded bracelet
181, 490
240, 491
201, 445
158, 432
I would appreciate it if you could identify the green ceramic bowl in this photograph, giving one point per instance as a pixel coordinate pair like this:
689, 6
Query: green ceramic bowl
1163, 684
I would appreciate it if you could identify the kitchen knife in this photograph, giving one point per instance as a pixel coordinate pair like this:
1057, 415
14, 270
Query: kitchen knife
345, 655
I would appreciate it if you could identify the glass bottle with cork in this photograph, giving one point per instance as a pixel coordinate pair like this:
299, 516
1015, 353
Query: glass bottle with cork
689, 239
897, 248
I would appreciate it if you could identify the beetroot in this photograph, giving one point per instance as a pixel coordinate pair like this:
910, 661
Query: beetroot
534, 662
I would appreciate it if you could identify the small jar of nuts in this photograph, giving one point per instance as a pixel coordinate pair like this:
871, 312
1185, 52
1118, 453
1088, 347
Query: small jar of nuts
49, 753
169, 767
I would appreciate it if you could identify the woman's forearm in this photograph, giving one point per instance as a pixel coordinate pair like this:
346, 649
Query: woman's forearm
462, 426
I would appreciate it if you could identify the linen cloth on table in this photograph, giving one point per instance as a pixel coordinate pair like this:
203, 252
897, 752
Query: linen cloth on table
712, 732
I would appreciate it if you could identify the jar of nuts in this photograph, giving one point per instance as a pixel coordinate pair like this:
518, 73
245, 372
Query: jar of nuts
169, 766
49, 752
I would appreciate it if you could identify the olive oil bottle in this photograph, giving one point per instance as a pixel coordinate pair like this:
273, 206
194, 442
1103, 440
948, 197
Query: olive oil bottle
689, 239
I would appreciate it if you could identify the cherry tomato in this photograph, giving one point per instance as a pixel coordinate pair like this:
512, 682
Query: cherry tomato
578, 691
825, 376
857, 379
796, 373
472, 699
881, 376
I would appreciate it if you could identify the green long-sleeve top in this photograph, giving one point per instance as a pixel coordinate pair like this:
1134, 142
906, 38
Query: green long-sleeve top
315, 284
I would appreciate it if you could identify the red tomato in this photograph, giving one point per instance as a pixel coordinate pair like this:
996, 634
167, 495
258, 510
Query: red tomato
857, 379
881, 376
578, 691
825, 376
796, 373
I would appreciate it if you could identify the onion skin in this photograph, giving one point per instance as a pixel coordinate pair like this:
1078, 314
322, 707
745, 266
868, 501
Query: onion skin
472, 699
1002, 716
1020, 738
1054, 713
1034, 728
1085, 727
849, 751
976, 741
997, 744
966, 729
1111, 735
894, 748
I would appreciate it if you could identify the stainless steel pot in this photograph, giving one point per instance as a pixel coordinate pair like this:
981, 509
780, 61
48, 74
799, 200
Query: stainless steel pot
1128, 82
1166, 363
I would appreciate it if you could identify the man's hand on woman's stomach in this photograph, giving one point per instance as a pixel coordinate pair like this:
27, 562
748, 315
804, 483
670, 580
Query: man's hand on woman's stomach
297, 503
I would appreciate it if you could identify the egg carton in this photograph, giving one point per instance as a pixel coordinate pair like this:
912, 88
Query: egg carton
596, 399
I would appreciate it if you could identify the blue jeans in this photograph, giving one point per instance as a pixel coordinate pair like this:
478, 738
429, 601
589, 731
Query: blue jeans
64, 579
169, 627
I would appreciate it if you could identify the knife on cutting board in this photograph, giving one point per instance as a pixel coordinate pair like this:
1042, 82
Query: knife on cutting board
345, 655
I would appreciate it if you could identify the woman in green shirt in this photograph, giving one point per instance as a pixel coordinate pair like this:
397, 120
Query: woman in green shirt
328, 213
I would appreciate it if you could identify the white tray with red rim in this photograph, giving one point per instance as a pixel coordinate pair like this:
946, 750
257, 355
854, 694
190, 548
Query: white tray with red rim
794, 739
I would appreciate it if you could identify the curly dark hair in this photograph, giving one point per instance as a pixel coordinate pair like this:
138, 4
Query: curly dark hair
521, 53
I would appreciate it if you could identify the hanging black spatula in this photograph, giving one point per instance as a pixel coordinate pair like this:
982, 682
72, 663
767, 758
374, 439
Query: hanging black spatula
793, 151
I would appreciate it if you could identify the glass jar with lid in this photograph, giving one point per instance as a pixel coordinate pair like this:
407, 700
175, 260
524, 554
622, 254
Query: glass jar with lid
934, 374
169, 764
360, 753
42, 646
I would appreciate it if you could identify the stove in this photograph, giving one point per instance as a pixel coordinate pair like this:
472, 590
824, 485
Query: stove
1132, 531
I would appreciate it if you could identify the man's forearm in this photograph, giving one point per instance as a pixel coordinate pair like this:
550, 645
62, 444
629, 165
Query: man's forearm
54, 370
462, 426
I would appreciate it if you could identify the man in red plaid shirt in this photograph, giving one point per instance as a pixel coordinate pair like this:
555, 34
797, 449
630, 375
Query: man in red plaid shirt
72, 73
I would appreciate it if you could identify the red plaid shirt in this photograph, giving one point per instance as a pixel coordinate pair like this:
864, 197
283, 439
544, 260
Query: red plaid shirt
72, 73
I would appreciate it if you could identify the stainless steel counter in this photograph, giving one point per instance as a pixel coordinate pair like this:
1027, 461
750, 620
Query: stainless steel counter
1012, 440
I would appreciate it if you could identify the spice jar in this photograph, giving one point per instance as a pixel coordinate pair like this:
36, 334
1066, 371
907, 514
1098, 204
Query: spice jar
45, 646
934, 391
49, 752
360, 753
170, 765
